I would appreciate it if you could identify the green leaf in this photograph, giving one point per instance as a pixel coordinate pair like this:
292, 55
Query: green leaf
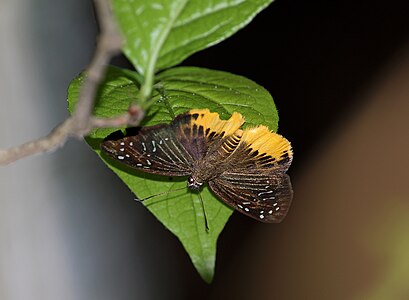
179, 90
162, 33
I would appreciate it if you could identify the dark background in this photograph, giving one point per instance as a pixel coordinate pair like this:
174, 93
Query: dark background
315, 57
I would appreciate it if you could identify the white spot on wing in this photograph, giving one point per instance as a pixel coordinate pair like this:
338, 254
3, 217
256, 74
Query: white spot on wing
121, 157
261, 193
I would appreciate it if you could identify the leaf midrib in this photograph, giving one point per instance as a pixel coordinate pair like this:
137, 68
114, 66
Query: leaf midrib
163, 38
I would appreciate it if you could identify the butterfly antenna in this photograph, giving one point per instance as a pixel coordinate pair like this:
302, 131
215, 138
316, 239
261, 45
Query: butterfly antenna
160, 194
204, 213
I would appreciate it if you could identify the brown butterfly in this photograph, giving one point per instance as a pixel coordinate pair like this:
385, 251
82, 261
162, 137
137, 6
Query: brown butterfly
244, 168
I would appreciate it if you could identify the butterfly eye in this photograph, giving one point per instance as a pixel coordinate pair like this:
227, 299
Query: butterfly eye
193, 183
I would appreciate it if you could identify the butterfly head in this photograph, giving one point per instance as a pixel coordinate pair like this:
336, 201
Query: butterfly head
194, 183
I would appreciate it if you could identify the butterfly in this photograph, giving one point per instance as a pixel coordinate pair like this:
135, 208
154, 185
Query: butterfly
246, 169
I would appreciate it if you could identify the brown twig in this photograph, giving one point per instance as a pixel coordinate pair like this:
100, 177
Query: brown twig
81, 122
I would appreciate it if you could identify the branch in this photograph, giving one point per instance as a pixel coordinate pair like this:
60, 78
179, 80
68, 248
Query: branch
81, 122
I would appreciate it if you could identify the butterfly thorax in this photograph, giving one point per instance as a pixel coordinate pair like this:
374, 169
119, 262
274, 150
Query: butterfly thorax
205, 170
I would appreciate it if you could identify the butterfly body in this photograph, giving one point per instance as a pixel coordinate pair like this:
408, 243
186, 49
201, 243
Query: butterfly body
244, 168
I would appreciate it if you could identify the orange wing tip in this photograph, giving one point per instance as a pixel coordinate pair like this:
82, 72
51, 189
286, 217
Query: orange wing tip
264, 141
211, 120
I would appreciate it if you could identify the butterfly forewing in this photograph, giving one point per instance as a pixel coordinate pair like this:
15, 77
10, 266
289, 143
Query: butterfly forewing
171, 149
153, 149
202, 132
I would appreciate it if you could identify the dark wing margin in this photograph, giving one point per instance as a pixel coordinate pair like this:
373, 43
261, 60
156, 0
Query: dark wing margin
266, 198
153, 149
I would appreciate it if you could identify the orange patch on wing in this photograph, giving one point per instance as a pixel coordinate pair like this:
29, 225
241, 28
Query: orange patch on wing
231, 143
212, 121
264, 141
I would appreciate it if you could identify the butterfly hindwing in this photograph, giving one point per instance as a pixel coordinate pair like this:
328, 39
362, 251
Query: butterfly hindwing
264, 198
153, 149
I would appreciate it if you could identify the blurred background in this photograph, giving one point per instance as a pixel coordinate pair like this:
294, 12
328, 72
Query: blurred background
339, 74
